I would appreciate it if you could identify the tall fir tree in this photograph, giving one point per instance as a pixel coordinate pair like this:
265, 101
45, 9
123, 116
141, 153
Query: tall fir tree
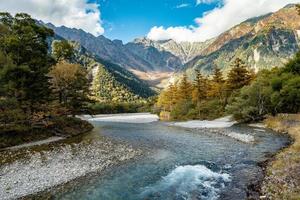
238, 76
217, 84
200, 87
184, 89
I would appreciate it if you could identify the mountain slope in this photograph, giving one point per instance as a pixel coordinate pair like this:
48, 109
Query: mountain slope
185, 51
262, 42
116, 52
110, 82
161, 60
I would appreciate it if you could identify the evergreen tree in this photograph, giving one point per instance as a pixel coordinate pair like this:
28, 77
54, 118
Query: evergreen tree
168, 98
217, 84
238, 76
200, 87
24, 42
62, 50
184, 89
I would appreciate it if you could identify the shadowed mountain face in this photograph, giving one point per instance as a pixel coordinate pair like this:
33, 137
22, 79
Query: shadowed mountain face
110, 82
131, 56
262, 42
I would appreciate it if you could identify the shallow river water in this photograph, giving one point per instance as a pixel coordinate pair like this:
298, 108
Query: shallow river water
179, 163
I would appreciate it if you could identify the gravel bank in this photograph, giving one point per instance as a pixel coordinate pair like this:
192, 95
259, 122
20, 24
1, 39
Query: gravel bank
282, 180
51, 168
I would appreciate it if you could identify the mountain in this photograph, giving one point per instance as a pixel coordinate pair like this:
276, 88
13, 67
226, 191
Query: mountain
262, 42
102, 47
160, 59
148, 63
110, 82
185, 51
131, 56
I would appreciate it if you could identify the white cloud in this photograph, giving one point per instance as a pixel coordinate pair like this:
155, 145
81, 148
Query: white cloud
184, 5
71, 13
218, 20
198, 2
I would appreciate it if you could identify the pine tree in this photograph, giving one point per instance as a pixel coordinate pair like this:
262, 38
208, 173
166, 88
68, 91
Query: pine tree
238, 76
184, 89
200, 87
217, 84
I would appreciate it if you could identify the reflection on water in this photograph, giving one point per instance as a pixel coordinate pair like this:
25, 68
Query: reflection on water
180, 164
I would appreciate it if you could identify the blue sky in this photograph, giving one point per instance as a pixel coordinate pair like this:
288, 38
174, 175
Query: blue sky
128, 19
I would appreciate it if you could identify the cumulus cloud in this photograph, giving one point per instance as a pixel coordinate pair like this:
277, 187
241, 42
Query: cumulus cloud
218, 20
71, 13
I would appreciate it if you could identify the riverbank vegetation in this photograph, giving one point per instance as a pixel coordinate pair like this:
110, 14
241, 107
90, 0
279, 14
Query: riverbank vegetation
282, 174
39, 91
121, 107
245, 95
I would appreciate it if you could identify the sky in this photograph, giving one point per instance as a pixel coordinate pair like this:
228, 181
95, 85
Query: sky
181, 20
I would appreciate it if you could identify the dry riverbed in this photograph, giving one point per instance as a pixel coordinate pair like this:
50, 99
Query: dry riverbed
282, 179
31, 170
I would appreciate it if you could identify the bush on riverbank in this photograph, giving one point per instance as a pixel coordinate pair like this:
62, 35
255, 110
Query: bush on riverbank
283, 173
119, 107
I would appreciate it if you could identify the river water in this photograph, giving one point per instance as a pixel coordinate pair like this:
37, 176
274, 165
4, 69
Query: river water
179, 163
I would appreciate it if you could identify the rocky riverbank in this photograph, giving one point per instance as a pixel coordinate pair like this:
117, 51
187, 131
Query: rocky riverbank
282, 178
31, 172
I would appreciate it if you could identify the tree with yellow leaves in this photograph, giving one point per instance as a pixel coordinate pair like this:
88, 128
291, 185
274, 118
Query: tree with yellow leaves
70, 83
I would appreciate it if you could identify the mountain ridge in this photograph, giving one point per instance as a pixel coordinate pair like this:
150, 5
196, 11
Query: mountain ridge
262, 42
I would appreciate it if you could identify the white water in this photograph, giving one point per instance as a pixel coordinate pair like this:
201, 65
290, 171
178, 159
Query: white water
186, 182
241, 137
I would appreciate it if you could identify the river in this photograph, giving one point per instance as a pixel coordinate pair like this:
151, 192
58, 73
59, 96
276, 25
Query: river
179, 163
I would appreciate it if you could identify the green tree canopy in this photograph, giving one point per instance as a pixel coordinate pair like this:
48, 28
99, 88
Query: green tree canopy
62, 50
24, 44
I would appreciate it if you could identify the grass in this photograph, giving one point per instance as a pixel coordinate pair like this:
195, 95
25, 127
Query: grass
282, 180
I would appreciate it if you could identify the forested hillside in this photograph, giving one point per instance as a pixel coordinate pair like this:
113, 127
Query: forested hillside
110, 82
